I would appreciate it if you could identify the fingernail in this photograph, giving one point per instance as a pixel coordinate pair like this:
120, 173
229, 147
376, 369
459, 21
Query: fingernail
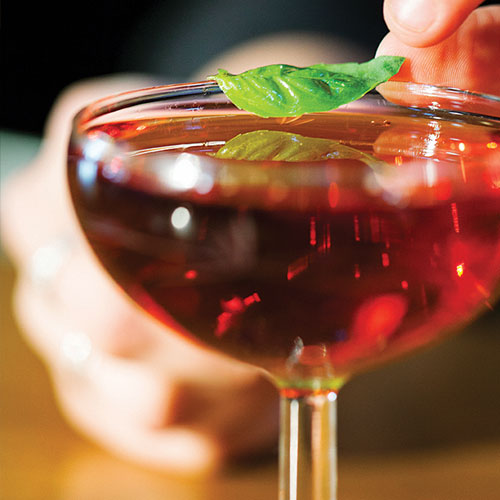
413, 15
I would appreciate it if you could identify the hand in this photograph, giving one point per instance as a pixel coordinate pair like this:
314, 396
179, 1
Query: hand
446, 42
120, 377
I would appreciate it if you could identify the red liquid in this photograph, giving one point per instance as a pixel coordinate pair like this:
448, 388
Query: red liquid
321, 280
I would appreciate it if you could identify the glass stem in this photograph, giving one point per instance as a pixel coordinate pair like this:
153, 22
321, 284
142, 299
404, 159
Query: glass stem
308, 446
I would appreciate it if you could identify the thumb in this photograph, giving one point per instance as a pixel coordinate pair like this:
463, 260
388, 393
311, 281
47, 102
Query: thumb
421, 23
468, 59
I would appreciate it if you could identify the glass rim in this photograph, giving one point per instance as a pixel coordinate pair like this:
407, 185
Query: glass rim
445, 88
378, 180
130, 98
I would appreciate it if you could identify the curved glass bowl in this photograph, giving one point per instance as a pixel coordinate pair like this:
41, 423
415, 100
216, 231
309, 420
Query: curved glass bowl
153, 146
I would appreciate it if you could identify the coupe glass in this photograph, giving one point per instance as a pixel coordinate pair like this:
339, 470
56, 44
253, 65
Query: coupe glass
310, 270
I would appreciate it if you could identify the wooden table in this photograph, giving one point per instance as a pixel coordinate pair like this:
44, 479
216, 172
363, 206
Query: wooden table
385, 436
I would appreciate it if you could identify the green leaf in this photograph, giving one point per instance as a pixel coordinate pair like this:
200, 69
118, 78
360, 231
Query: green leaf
274, 145
281, 90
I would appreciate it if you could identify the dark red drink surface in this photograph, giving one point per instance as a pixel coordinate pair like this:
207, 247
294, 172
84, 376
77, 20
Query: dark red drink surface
326, 276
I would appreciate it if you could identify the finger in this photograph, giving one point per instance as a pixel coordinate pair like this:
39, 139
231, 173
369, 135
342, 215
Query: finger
176, 449
243, 414
209, 423
421, 23
468, 59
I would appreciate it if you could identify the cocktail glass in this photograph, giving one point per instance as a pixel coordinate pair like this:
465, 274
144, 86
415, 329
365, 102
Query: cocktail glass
312, 270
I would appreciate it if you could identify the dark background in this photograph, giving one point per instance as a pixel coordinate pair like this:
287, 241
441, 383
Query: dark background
47, 46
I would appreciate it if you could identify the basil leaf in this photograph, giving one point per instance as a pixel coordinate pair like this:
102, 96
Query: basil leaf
274, 145
281, 90
374, 72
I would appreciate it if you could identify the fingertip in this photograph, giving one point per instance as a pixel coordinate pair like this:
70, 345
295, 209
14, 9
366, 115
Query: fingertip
182, 451
390, 45
423, 23
409, 21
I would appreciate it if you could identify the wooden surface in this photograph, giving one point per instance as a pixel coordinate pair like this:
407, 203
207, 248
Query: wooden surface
404, 443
